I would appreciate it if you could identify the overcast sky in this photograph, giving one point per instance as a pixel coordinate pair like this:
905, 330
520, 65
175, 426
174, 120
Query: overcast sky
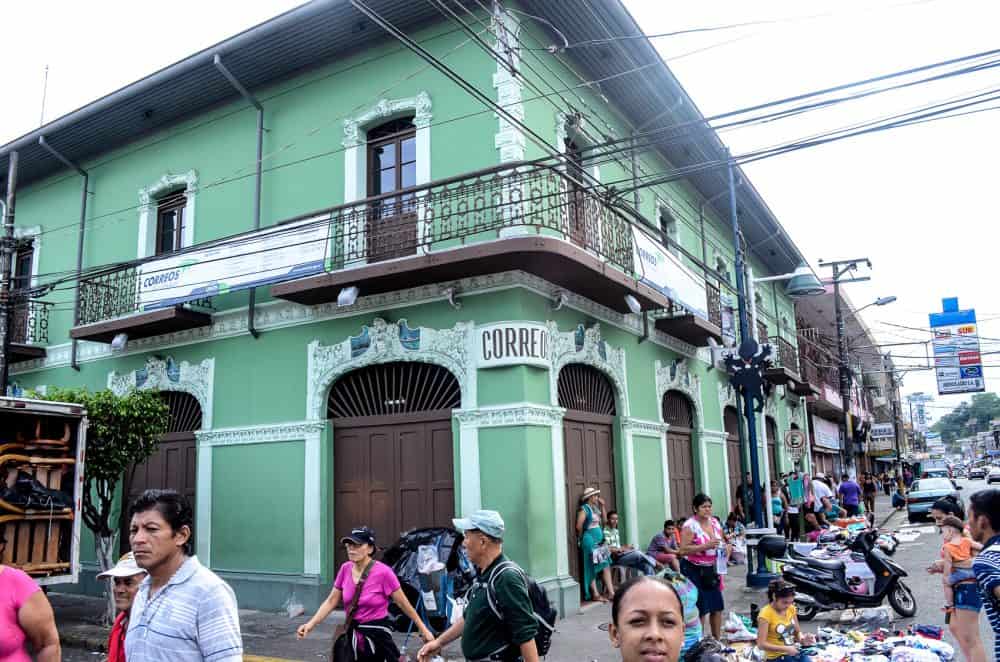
918, 201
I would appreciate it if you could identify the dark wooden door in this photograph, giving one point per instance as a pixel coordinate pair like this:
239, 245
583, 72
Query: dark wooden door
392, 477
590, 461
173, 466
392, 166
731, 421
771, 427
677, 414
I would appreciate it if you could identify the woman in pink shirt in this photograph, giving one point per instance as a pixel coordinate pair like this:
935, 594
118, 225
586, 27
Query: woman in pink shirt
701, 542
25, 615
371, 626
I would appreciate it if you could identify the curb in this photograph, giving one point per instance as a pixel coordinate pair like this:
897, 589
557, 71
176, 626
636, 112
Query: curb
887, 518
83, 640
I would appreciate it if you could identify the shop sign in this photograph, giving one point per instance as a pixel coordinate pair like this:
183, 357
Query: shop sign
663, 271
881, 447
512, 343
958, 363
827, 434
270, 256
883, 431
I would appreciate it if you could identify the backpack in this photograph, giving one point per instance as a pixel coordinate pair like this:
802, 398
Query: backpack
542, 609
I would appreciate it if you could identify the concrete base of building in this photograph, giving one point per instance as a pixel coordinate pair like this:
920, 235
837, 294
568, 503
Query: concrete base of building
564, 594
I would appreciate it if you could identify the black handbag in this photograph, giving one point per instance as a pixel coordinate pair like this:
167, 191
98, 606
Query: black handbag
342, 634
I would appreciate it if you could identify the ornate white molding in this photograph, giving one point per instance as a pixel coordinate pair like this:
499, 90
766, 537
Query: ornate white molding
35, 234
677, 375
260, 434
167, 375
386, 109
147, 209
381, 342
522, 413
509, 138
771, 404
644, 427
584, 345
727, 394
283, 314
713, 436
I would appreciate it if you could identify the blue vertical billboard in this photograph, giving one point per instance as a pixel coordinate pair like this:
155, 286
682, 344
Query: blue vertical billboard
957, 359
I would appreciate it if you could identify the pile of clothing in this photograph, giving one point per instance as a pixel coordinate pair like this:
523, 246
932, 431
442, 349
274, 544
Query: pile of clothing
917, 644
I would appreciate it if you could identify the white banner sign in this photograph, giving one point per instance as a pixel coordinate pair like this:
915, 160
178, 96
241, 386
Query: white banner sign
663, 271
277, 254
827, 433
512, 343
883, 431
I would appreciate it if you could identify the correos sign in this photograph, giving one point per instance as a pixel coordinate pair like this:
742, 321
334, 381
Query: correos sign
512, 343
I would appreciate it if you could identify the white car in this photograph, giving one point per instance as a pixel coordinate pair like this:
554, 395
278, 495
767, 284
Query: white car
993, 476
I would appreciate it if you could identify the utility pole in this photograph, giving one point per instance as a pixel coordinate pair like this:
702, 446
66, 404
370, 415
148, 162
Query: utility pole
7, 245
841, 268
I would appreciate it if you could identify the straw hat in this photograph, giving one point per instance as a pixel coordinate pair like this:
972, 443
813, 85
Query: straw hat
589, 492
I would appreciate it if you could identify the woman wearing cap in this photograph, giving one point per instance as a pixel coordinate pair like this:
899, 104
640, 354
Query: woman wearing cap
25, 614
127, 576
370, 625
590, 534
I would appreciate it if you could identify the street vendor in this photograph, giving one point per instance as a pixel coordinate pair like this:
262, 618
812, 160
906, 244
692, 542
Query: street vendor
778, 632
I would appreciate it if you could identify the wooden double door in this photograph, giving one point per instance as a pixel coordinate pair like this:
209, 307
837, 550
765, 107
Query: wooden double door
679, 417
392, 474
588, 445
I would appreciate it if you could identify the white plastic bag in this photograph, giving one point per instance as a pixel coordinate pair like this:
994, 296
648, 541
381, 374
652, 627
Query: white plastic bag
735, 629
427, 559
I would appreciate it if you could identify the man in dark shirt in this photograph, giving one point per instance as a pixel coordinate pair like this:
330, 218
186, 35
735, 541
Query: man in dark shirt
850, 495
484, 635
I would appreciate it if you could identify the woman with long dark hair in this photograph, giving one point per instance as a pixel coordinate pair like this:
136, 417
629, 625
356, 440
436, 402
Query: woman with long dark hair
647, 620
778, 632
701, 542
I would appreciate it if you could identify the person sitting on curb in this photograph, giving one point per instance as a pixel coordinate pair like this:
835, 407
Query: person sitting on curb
626, 556
126, 576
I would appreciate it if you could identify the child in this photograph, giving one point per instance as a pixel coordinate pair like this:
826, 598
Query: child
778, 632
957, 556
735, 534
663, 547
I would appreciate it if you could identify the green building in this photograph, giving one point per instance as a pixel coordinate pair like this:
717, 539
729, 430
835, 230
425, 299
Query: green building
465, 338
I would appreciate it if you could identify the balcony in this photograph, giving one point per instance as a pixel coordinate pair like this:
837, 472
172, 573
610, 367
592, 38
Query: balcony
29, 323
529, 217
690, 328
110, 304
785, 369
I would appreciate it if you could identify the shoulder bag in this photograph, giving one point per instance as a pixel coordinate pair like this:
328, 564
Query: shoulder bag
342, 649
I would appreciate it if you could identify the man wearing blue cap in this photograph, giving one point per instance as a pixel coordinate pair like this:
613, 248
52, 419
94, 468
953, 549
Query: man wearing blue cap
485, 635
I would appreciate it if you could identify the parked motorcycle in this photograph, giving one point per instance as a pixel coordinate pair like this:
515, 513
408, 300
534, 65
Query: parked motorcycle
823, 585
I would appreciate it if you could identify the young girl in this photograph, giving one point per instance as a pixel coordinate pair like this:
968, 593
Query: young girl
778, 632
957, 553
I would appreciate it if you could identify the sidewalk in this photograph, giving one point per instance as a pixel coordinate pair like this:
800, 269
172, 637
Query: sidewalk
580, 636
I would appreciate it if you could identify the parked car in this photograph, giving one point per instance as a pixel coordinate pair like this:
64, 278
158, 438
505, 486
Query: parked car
993, 476
924, 492
977, 473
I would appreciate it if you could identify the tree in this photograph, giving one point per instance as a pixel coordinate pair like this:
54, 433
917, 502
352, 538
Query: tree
969, 418
123, 431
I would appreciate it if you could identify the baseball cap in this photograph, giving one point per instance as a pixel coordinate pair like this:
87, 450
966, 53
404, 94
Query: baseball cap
361, 535
487, 521
126, 567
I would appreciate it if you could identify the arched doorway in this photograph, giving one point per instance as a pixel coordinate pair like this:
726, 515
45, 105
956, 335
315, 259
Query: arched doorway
393, 463
771, 428
173, 464
731, 421
588, 444
679, 416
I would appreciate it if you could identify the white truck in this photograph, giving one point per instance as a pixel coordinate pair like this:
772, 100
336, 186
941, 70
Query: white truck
41, 487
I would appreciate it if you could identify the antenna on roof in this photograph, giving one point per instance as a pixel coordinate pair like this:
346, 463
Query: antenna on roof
45, 89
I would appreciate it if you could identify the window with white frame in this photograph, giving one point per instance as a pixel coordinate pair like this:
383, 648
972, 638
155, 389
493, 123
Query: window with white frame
167, 214
668, 226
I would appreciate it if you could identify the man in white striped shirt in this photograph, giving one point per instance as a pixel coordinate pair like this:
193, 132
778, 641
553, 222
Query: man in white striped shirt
984, 525
183, 611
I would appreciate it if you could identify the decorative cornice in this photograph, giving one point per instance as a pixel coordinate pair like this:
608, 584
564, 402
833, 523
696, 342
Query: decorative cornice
261, 434
522, 413
644, 427
282, 314
198, 380
677, 375
713, 436
381, 342
168, 181
585, 345
385, 109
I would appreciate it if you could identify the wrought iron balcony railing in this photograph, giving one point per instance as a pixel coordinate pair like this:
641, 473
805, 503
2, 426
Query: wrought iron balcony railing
785, 354
515, 200
714, 304
29, 322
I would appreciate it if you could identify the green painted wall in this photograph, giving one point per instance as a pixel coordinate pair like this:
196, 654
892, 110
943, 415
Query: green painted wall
257, 500
649, 487
513, 384
516, 480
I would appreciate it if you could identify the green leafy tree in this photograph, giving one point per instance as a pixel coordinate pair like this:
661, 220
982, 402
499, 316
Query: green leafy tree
123, 431
969, 418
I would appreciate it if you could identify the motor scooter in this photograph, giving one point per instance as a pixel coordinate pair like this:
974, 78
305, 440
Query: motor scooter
822, 585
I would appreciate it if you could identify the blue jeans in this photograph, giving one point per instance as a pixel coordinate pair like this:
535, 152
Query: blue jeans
637, 560
967, 597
